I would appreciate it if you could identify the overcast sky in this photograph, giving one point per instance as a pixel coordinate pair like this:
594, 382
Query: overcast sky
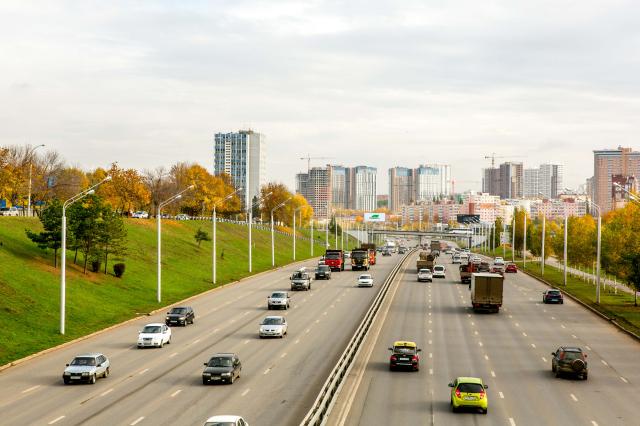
365, 82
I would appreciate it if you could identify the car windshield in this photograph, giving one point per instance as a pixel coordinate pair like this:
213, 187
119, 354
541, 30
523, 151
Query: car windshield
424, 271
470, 387
365, 277
220, 361
359, 255
410, 350
297, 275
439, 268
272, 321
179, 311
278, 295
152, 329
332, 256
323, 268
553, 292
83, 361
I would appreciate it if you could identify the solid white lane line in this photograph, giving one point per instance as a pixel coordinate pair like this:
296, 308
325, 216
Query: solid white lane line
138, 420
56, 420
573, 397
246, 391
623, 379
501, 395
176, 393
512, 422
544, 359
31, 388
493, 373
604, 362
267, 370
144, 371
107, 392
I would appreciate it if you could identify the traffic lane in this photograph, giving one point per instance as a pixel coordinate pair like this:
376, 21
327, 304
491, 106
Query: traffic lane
37, 382
196, 398
140, 384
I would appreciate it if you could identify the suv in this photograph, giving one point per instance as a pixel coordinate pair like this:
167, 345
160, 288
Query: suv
222, 367
552, 296
86, 368
181, 315
323, 272
570, 360
277, 300
300, 280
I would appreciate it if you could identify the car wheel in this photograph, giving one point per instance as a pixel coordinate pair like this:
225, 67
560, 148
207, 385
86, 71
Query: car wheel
106, 373
231, 380
204, 381
169, 341
553, 368
585, 376
161, 344
562, 302
557, 374
66, 381
92, 380
485, 411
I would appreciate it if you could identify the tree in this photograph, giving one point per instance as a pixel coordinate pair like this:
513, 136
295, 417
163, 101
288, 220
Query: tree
519, 214
632, 263
201, 236
84, 224
498, 230
278, 193
112, 235
534, 237
126, 191
51, 237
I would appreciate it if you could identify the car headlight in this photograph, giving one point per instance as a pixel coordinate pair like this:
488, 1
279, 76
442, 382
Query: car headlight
66, 373
85, 373
166, 318
225, 374
206, 374
182, 318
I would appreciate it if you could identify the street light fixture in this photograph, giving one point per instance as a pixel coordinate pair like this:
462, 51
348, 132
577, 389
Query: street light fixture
159, 229
30, 168
294, 229
544, 224
63, 278
598, 246
250, 217
273, 252
215, 221
632, 197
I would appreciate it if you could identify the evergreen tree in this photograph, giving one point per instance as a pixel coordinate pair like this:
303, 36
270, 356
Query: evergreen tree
51, 237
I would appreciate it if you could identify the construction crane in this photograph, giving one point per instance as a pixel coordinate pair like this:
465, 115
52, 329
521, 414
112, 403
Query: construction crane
453, 184
493, 157
309, 158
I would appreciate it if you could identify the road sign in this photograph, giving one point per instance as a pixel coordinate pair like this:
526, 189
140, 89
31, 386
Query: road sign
374, 217
505, 237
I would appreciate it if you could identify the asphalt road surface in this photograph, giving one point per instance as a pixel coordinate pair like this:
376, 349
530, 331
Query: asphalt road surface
280, 377
510, 351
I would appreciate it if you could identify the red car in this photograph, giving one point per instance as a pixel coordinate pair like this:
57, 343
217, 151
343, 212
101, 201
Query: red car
511, 268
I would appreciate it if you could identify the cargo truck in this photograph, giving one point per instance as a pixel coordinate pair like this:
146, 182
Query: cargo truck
372, 252
486, 292
359, 259
335, 259
425, 261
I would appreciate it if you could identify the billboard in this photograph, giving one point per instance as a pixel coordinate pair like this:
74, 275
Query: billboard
374, 217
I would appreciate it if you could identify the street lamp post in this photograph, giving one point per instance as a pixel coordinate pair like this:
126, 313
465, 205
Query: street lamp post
250, 216
30, 168
214, 254
544, 223
159, 230
566, 225
513, 240
273, 252
598, 247
63, 263
524, 243
294, 229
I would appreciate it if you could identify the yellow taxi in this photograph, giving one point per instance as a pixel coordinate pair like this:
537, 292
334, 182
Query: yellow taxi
469, 392
404, 354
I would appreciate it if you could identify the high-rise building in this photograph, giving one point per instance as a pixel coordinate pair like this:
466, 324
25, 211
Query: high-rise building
511, 180
363, 188
241, 155
431, 181
340, 184
550, 180
491, 181
401, 189
609, 162
531, 183
315, 187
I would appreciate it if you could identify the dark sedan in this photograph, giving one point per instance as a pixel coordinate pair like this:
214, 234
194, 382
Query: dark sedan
222, 367
552, 296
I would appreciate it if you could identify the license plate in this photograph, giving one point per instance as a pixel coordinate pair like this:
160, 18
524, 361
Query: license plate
470, 398
404, 359
215, 378
75, 377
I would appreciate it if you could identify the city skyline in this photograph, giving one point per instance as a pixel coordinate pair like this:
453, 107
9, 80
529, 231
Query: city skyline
363, 85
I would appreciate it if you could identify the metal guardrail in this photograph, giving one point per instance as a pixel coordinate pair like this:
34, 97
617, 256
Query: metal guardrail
318, 413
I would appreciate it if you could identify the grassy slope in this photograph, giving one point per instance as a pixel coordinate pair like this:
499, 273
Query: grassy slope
30, 286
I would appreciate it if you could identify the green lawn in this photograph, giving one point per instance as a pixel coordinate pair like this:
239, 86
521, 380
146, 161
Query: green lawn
619, 306
30, 286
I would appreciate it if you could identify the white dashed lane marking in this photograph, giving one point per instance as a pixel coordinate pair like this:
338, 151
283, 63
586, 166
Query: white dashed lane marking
144, 371
56, 420
623, 379
245, 392
574, 397
544, 359
107, 392
512, 422
173, 395
31, 389
501, 395
493, 373
138, 420
604, 362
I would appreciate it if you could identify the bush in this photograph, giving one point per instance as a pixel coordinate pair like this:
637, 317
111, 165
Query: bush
118, 269
95, 265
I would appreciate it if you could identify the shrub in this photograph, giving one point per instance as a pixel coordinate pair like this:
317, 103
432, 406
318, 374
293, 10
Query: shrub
95, 265
118, 269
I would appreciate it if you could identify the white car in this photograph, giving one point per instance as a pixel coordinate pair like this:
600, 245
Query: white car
140, 215
9, 211
425, 275
476, 260
154, 335
365, 280
278, 300
86, 368
498, 260
273, 326
439, 271
226, 421
182, 216
456, 259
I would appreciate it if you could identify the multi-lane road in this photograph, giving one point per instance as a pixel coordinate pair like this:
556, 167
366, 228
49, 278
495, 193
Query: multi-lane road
280, 378
510, 351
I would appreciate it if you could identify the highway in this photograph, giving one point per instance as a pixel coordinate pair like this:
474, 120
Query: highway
510, 351
280, 377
